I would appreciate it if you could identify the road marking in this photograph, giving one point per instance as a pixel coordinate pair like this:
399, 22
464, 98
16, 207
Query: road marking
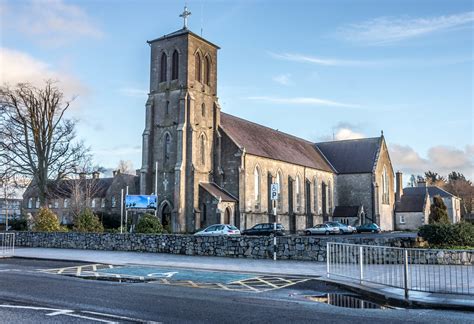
161, 275
60, 312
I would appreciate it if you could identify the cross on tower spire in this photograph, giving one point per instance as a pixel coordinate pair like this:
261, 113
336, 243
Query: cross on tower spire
185, 15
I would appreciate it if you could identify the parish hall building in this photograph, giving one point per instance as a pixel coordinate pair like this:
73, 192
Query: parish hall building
217, 168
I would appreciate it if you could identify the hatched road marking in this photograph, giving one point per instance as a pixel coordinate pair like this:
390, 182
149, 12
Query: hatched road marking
181, 277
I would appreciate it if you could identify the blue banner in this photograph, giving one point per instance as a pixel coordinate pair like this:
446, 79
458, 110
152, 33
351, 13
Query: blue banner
140, 202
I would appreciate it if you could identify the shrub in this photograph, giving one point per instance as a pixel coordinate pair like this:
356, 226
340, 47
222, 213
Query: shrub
88, 222
149, 224
448, 235
46, 221
110, 221
438, 211
19, 224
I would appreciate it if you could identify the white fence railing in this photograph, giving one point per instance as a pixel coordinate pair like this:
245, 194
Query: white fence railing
436, 271
7, 244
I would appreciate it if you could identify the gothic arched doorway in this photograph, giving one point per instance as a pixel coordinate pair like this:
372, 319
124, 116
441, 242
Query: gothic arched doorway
165, 215
227, 214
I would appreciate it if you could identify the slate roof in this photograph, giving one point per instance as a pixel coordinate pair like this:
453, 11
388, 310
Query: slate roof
346, 211
63, 188
432, 190
351, 156
267, 142
410, 203
217, 192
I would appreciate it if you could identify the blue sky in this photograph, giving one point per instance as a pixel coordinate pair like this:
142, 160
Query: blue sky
316, 69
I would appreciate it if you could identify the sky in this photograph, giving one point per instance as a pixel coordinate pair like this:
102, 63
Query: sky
320, 70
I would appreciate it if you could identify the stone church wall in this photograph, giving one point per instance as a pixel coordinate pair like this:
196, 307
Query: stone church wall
385, 210
254, 212
355, 190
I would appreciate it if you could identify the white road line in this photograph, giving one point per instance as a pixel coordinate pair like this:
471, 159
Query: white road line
118, 317
90, 318
60, 312
31, 307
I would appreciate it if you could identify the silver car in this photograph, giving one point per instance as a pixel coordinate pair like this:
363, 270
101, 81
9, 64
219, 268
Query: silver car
325, 229
219, 229
343, 228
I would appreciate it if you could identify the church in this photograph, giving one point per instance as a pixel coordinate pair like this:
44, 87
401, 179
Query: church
209, 167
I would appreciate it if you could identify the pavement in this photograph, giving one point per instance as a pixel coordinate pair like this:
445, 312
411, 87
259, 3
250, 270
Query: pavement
165, 263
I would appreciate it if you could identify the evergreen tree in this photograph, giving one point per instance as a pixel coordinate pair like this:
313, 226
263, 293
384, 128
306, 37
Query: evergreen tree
46, 221
149, 224
438, 211
88, 222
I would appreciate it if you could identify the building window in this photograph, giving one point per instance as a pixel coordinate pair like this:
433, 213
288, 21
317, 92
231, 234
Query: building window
66, 203
167, 108
329, 197
163, 64
207, 71
298, 193
385, 191
256, 185
203, 110
402, 219
202, 149
56, 203
197, 67
30, 203
114, 202
102, 203
316, 196
37, 205
167, 147
93, 203
175, 66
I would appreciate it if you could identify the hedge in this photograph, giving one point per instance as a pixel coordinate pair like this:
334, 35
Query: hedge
445, 235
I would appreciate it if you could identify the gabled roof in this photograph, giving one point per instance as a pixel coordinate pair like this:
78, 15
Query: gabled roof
411, 203
432, 190
217, 192
346, 211
267, 142
352, 156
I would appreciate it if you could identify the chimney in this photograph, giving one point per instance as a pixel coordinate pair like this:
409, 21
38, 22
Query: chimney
82, 175
116, 173
421, 182
399, 186
95, 175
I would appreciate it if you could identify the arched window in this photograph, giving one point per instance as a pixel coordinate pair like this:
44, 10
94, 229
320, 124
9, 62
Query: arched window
167, 107
316, 195
202, 145
278, 181
329, 197
30, 203
207, 70
175, 65
197, 67
385, 195
167, 148
203, 110
256, 184
164, 59
298, 192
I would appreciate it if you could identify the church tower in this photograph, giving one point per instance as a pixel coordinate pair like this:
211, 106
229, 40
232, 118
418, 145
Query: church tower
182, 116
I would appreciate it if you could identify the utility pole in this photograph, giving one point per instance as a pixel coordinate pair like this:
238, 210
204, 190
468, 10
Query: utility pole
156, 187
121, 212
126, 214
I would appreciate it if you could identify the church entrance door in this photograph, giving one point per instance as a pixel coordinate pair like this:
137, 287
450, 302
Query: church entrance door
291, 213
166, 216
227, 216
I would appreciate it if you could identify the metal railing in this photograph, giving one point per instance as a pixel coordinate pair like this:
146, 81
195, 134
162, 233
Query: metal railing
427, 270
7, 244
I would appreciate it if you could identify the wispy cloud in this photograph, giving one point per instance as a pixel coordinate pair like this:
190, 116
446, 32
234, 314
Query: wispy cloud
50, 22
302, 58
283, 79
20, 67
387, 30
133, 92
308, 101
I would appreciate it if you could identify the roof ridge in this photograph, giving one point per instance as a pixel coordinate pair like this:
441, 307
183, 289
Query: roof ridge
348, 140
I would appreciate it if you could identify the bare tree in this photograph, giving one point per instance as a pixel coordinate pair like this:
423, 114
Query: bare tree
36, 139
125, 167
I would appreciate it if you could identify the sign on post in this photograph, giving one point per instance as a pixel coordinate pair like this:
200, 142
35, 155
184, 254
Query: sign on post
141, 202
274, 191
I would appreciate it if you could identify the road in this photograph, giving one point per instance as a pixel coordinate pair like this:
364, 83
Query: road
43, 291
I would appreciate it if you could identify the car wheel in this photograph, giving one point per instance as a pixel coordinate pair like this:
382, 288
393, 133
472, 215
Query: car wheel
327, 232
307, 233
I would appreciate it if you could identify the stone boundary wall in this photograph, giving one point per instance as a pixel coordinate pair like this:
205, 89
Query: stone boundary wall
307, 248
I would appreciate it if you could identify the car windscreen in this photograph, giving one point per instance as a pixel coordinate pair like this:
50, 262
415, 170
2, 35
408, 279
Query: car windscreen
232, 227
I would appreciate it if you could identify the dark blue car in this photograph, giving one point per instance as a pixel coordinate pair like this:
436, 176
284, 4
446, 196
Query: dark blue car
368, 228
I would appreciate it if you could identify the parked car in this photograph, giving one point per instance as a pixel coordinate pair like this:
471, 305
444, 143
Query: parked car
322, 229
219, 229
265, 229
368, 228
343, 228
